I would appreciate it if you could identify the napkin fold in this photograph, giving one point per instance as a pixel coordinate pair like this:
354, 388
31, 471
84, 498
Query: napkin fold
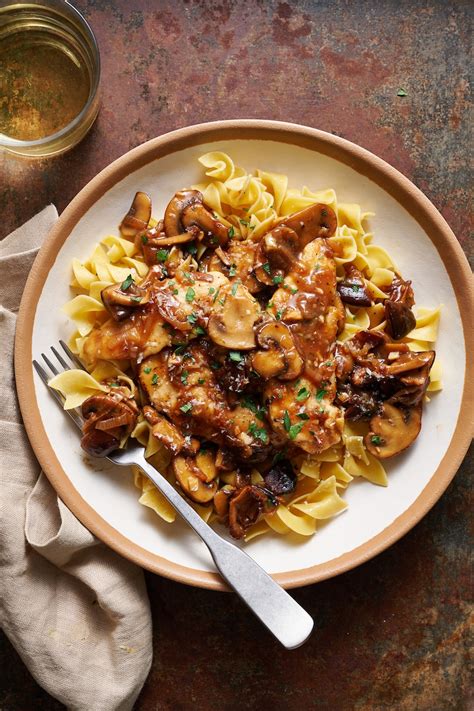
77, 613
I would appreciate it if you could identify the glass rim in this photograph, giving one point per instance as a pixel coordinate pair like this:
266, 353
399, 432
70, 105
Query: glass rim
8, 142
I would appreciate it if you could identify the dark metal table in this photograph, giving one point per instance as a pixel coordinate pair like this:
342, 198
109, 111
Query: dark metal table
392, 634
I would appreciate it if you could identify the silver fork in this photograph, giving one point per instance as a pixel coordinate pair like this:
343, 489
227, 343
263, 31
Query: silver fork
282, 615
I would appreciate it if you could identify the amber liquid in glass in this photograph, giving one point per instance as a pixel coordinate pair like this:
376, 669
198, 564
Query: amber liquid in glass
44, 84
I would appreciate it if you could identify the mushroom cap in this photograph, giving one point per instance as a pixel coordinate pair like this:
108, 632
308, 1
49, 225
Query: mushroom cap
393, 430
279, 357
193, 480
400, 319
137, 217
232, 319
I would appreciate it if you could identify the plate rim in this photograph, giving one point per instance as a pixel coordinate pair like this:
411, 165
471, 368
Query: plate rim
356, 157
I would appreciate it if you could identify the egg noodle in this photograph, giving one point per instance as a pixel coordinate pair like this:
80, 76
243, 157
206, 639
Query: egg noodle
249, 205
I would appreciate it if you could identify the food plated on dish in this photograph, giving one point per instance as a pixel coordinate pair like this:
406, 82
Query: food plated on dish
258, 342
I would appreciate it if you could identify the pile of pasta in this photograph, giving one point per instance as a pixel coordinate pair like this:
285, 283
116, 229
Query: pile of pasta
250, 204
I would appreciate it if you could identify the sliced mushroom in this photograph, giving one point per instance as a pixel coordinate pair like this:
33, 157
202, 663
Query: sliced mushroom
315, 221
401, 291
393, 430
107, 418
222, 501
353, 289
277, 254
400, 319
279, 357
280, 479
165, 432
138, 216
121, 299
246, 508
412, 361
188, 476
185, 210
99, 443
232, 318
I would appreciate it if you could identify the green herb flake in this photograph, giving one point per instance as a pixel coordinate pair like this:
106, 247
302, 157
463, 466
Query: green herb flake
186, 408
147, 369
293, 290
279, 314
286, 421
258, 432
189, 277
231, 231
215, 365
402, 92
199, 331
235, 287
294, 430
244, 222
320, 394
180, 349
303, 416
184, 377
328, 363
154, 379
162, 255
266, 268
192, 318
127, 283
175, 292
375, 439
191, 249
144, 239
303, 394
232, 270
136, 299
356, 287
190, 294
211, 290
201, 381
277, 279
236, 356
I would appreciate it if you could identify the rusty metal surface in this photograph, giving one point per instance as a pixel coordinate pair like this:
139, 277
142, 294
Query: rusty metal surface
392, 634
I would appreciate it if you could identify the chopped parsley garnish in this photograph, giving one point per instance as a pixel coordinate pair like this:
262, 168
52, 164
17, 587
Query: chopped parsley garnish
355, 287
144, 239
324, 212
328, 363
236, 356
147, 369
244, 222
127, 283
199, 331
303, 416
235, 286
320, 394
184, 377
186, 408
192, 318
278, 457
215, 365
201, 381
154, 379
180, 349
303, 394
192, 249
286, 421
174, 292
222, 301
211, 290
189, 277
190, 294
295, 430
231, 231
136, 299
258, 432
402, 92
232, 270
277, 279
253, 407
279, 314
216, 295
293, 290
375, 439
162, 255
266, 268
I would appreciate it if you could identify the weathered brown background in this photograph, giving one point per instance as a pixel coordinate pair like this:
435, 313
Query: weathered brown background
392, 634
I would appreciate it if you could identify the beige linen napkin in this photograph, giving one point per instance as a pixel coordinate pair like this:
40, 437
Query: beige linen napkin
77, 613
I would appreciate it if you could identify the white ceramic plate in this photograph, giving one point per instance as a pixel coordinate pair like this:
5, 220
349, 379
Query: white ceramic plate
104, 496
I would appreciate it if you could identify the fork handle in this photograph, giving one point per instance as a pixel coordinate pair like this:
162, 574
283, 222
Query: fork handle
278, 611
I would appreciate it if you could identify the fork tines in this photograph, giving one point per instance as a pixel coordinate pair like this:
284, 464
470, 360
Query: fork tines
64, 365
